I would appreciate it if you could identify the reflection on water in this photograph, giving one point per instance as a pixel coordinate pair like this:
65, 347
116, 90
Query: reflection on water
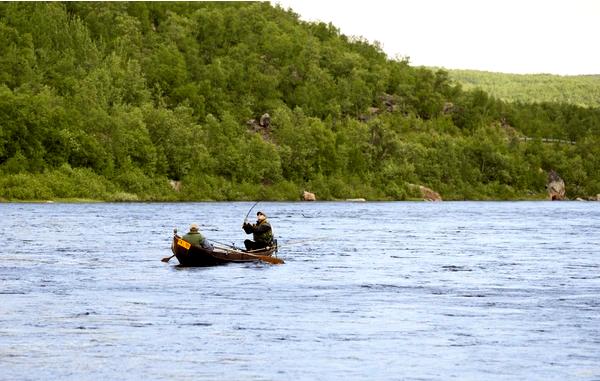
409, 291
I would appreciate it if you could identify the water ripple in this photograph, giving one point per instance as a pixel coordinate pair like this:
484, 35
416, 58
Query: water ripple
411, 291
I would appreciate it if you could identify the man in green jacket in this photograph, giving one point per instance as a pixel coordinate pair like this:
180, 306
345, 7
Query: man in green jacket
196, 238
261, 232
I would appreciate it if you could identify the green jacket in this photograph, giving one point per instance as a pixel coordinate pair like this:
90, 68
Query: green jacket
261, 231
195, 238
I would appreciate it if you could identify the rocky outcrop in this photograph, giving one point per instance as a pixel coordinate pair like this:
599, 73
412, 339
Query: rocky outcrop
448, 108
265, 120
429, 194
176, 185
387, 103
263, 123
555, 186
426, 193
308, 196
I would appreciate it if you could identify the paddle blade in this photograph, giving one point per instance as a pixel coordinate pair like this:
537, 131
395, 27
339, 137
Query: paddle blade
273, 260
167, 259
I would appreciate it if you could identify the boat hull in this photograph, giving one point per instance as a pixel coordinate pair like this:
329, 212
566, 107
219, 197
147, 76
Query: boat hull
196, 256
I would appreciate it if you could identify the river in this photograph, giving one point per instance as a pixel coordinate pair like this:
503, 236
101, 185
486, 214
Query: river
369, 291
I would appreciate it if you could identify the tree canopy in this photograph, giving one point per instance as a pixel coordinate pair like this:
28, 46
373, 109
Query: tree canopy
112, 100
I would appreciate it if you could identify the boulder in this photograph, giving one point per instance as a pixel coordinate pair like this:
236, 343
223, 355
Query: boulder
364, 118
429, 194
373, 110
308, 196
555, 186
176, 185
448, 108
253, 124
389, 102
263, 123
426, 193
265, 120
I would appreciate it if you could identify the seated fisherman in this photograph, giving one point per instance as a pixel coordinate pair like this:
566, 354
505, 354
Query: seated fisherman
196, 238
261, 232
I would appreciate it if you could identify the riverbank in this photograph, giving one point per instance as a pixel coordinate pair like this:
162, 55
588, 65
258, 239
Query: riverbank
76, 185
137, 200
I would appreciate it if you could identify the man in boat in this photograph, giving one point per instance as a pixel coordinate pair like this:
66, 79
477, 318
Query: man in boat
261, 232
196, 238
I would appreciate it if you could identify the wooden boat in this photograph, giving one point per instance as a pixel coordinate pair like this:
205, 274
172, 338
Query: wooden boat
193, 255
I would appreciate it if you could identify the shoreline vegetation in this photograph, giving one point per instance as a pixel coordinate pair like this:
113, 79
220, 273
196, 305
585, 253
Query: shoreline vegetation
191, 101
93, 201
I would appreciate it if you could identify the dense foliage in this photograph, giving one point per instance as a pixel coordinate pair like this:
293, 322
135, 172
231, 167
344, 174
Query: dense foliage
112, 100
581, 90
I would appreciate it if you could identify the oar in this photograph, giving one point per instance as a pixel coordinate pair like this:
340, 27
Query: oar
267, 258
167, 259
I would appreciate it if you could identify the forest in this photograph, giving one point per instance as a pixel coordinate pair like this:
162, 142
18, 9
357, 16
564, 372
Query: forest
186, 101
581, 90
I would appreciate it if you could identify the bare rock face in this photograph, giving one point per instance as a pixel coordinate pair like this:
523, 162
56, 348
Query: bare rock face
555, 186
308, 196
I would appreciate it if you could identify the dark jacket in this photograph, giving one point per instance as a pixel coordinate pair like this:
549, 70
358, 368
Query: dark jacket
261, 231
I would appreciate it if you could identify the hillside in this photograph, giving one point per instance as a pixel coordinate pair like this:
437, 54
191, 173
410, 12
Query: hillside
169, 101
580, 90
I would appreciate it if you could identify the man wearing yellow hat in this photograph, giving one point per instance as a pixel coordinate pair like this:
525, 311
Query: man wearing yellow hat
261, 232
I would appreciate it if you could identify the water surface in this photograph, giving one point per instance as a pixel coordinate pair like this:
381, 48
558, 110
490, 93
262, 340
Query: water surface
369, 291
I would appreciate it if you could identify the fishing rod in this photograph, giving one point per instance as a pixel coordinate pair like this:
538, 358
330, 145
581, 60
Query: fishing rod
222, 244
245, 220
296, 242
226, 246
247, 214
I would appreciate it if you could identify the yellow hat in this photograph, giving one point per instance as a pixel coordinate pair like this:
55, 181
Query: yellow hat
194, 228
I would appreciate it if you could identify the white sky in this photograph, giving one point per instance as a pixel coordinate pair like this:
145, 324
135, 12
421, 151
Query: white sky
510, 36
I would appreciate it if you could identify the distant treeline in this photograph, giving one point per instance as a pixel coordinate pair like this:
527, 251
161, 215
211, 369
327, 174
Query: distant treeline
123, 100
580, 90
